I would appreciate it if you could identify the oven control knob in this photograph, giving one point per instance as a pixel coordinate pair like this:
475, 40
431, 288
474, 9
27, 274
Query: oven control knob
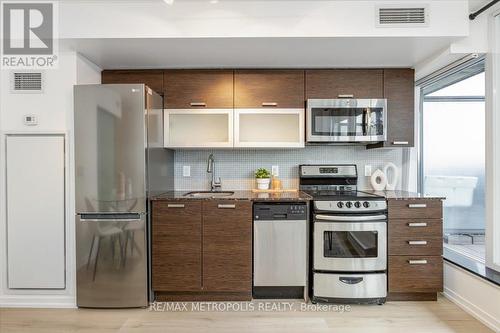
348, 204
340, 204
366, 204
357, 204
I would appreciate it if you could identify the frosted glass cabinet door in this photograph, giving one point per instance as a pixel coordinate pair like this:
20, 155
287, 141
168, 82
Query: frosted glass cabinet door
204, 128
35, 211
273, 128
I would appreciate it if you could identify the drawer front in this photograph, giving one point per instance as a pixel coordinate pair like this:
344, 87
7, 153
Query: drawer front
350, 285
415, 209
176, 210
415, 273
416, 245
415, 228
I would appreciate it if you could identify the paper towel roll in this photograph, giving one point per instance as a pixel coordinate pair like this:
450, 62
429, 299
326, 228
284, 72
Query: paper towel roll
378, 180
391, 168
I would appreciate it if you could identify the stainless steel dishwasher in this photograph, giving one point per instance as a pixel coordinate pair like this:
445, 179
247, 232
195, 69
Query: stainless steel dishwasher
280, 250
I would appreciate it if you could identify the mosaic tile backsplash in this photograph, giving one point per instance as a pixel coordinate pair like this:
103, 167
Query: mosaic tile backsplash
236, 167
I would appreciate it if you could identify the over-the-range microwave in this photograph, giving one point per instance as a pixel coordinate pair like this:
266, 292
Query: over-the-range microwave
346, 121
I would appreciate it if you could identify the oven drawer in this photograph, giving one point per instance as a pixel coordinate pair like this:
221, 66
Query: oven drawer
415, 209
415, 228
415, 274
350, 285
416, 245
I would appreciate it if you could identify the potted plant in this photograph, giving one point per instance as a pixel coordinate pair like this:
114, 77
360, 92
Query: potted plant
263, 177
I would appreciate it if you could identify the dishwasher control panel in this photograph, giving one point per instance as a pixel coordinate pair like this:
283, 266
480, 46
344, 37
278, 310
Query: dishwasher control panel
279, 211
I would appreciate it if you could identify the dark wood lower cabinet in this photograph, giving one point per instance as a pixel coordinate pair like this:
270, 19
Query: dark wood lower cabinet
415, 265
202, 250
415, 274
227, 246
176, 246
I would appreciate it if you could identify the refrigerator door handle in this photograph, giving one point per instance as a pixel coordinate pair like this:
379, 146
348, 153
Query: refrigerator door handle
98, 217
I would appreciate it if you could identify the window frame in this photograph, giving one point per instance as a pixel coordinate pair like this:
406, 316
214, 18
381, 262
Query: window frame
493, 140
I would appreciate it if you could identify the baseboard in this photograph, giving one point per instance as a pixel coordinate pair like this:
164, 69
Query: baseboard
41, 301
471, 308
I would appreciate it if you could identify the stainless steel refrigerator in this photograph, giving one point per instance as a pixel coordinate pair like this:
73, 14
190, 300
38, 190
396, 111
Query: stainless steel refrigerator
120, 159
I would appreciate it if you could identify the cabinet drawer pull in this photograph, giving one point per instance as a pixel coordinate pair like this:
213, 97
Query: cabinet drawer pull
418, 262
176, 206
417, 224
269, 104
346, 96
400, 143
418, 242
417, 205
226, 206
198, 104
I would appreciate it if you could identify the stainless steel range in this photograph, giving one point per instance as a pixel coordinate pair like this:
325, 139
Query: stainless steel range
349, 245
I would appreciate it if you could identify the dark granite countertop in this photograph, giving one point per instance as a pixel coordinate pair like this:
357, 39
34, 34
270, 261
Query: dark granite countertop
403, 195
238, 195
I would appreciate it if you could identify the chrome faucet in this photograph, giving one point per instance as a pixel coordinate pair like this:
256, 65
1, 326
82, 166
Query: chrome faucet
214, 185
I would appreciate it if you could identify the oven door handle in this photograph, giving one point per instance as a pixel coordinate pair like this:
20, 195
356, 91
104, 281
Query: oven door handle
342, 218
350, 280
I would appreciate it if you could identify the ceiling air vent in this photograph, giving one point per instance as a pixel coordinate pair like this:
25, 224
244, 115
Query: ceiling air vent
403, 15
27, 82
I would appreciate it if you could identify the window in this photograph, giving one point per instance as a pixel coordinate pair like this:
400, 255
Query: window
453, 157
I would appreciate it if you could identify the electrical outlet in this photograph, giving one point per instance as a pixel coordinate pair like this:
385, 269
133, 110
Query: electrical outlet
30, 120
368, 170
275, 170
186, 170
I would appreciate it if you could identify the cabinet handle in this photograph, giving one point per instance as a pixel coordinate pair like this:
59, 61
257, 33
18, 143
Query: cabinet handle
417, 224
400, 143
176, 206
417, 205
346, 96
418, 242
226, 206
198, 104
418, 262
269, 104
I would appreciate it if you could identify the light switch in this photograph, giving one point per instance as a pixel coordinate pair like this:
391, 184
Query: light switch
368, 170
186, 170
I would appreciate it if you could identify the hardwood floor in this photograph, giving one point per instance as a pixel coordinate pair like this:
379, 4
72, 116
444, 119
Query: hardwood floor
394, 317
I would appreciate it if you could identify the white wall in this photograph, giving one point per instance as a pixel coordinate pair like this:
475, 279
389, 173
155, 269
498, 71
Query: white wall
473, 294
54, 109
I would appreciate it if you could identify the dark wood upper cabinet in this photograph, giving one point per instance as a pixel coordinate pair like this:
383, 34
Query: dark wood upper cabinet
399, 89
151, 78
206, 88
335, 83
269, 88
227, 246
176, 246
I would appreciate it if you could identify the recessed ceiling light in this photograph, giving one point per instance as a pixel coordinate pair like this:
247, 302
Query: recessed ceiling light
214, 1
169, 2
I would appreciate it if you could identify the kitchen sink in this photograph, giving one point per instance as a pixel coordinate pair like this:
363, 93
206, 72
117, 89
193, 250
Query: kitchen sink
209, 194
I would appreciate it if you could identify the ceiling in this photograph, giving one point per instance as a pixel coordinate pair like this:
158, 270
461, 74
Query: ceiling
258, 52
261, 52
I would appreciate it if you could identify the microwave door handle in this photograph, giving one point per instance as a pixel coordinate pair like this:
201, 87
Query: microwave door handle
365, 122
